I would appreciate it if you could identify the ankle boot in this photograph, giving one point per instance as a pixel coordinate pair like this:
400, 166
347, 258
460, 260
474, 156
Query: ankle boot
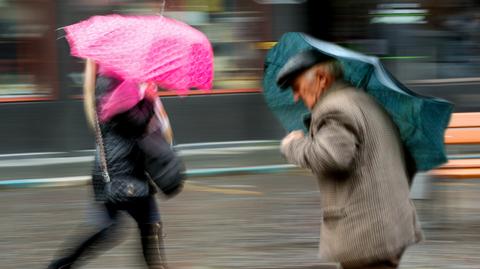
62, 263
153, 246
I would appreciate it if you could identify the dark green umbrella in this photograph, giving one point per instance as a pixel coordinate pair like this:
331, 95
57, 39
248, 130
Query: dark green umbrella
421, 120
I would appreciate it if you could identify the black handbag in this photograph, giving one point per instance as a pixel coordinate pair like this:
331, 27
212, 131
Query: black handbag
122, 188
162, 163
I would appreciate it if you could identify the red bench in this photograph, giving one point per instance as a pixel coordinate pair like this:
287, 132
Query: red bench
464, 129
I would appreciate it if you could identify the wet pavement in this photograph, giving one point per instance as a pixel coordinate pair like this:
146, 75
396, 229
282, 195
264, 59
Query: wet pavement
249, 221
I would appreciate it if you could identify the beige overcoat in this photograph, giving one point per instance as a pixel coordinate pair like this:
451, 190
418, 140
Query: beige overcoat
354, 149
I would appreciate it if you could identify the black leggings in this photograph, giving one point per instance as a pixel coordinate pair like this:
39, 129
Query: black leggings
146, 214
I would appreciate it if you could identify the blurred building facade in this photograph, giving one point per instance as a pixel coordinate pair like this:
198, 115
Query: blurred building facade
433, 46
440, 38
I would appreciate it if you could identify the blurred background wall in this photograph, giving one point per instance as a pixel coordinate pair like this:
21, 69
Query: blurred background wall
432, 46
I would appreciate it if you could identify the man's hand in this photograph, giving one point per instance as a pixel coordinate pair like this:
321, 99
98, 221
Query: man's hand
294, 135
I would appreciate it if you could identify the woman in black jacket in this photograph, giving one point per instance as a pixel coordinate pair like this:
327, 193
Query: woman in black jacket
133, 150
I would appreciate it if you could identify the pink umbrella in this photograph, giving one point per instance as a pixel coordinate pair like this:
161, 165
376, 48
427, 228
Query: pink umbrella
144, 49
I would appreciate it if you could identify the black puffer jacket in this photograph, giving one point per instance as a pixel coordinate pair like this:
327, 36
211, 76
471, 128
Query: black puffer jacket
130, 152
120, 135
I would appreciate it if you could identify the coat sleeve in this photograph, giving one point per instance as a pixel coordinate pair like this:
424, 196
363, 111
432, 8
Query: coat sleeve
162, 164
332, 147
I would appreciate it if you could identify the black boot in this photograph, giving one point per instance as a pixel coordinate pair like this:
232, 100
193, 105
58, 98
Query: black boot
153, 246
63, 263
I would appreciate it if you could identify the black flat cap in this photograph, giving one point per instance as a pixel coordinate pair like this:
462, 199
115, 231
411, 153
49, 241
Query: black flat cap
297, 64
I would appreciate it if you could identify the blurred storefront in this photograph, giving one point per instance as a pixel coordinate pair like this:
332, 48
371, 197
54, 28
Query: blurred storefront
417, 40
27, 49
433, 46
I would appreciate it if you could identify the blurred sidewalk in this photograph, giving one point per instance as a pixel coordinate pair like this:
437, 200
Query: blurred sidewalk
220, 155
222, 220
249, 221
204, 156
231, 221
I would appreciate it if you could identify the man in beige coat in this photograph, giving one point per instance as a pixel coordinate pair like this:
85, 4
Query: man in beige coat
355, 151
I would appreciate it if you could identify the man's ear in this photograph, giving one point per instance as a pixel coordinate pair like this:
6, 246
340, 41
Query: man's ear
324, 78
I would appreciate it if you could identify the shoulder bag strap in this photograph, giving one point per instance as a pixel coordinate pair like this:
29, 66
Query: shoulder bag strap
101, 148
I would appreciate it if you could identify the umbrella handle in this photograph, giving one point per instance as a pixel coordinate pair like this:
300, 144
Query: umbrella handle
162, 7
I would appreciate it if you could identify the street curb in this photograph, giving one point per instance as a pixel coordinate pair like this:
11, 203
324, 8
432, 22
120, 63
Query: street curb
191, 173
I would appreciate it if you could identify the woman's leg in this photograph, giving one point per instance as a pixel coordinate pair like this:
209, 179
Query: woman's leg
85, 247
146, 214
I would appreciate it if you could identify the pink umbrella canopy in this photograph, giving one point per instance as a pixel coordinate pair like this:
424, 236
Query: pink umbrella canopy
152, 49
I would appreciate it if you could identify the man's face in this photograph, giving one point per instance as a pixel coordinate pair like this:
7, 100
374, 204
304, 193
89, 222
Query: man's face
309, 85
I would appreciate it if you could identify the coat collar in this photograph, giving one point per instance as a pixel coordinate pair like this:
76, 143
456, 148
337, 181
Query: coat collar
335, 87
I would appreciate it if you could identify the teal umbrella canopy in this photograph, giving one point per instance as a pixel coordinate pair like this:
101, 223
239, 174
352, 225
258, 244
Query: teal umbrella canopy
421, 120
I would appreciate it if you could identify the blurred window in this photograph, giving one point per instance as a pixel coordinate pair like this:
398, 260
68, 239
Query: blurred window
430, 39
418, 41
27, 54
